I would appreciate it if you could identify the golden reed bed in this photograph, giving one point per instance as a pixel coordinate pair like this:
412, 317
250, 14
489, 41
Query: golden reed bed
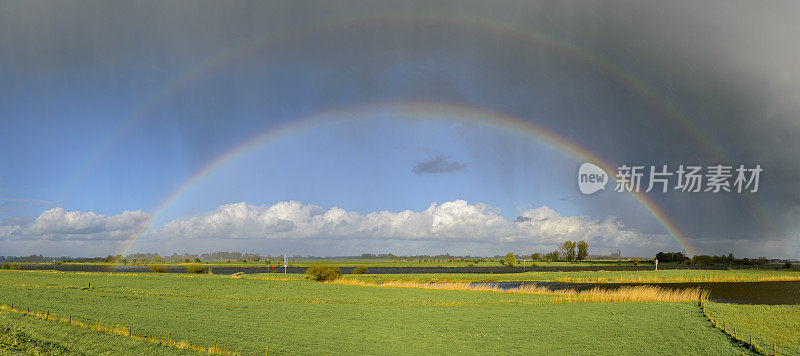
622, 294
689, 279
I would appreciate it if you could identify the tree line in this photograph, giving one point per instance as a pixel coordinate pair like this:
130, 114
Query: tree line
708, 260
569, 251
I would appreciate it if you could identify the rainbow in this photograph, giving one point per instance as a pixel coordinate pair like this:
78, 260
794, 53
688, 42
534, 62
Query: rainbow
259, 44
456, 112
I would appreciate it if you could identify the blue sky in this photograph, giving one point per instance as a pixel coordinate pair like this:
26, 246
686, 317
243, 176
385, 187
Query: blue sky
368, 166
78, 73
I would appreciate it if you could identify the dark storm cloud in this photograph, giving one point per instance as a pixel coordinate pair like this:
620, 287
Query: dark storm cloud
438, 165
734, 82
669, 82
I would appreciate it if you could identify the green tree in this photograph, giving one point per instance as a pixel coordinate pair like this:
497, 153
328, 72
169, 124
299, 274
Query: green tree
552, 256
583, 250
511, 261
567, 250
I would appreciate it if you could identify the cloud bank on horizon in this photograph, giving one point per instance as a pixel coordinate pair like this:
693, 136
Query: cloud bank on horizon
452, 222
58, 224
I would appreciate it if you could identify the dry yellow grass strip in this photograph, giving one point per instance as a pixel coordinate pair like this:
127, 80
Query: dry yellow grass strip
280, 277
120, 330
634, 294
687, 279
623, 294
423, 285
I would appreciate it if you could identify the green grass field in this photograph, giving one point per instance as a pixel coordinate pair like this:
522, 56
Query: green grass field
20, 334
303, 317
768, 324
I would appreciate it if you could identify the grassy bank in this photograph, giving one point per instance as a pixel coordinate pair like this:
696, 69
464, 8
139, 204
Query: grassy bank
23, 334
770, 327
302, 317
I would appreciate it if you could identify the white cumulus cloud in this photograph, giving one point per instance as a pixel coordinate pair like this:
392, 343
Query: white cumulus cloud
453, 221
60, 224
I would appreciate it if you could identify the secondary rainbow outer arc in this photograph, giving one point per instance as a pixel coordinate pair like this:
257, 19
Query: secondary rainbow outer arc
416, 109
249, 47
665, 107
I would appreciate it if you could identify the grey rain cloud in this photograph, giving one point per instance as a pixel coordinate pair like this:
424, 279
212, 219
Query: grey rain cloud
438, 165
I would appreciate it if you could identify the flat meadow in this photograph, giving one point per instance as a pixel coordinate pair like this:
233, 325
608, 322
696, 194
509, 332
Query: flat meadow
134, 313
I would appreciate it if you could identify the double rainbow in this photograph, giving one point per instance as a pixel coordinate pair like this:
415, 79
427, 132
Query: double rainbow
497, 120
453, 111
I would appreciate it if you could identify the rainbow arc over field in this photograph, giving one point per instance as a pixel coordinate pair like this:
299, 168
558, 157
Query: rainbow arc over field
417, 110
259, 45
